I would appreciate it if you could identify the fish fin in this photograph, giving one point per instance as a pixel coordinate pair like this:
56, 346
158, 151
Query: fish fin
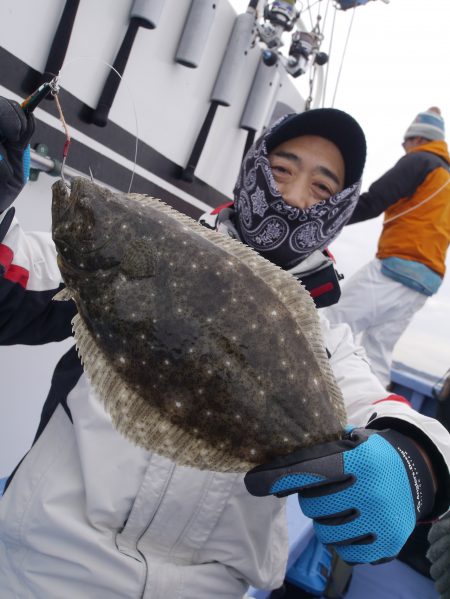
142, 423
64, 295
139, 260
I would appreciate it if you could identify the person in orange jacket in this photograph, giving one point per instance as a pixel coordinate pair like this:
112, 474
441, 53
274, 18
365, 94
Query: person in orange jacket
379, 301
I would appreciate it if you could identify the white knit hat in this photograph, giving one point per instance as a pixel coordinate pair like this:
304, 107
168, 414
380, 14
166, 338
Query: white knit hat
428, 124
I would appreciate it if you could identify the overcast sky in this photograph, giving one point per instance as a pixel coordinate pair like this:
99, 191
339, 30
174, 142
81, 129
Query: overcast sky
395, 65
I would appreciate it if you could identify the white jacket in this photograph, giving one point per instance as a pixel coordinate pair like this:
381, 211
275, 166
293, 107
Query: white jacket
88, 514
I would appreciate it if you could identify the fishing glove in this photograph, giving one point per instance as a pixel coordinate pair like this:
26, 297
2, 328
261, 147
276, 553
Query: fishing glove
439, 555
365, 493
16, 130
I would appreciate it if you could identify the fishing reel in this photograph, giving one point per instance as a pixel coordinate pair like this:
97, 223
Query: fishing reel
304, 45
303, 50
279, 16
282, 13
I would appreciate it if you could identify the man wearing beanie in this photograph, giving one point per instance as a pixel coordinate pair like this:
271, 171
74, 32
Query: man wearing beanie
379, 301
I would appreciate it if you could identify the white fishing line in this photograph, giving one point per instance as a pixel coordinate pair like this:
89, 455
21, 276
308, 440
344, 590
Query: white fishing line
128, 90
427, 199
343, 56
330, 47
120, 160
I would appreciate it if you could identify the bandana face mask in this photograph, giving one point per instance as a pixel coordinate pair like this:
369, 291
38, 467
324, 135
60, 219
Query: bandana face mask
283, 234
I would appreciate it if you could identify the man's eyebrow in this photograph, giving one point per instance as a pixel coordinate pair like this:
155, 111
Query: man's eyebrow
297, 160
330, 174
288, 155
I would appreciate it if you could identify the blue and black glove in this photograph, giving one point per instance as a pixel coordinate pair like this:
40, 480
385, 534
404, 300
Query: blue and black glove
365, 493
16, 129
439, 555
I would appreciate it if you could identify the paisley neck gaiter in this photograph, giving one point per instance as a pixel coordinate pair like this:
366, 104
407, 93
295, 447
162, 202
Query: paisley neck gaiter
279, 232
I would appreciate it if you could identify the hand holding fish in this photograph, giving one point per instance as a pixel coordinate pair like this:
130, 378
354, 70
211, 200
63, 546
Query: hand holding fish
16, 129
354, 490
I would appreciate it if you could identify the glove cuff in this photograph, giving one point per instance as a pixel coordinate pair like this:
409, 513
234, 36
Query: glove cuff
420, 477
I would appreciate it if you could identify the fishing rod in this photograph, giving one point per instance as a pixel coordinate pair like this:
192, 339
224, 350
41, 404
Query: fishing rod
34, 99
280, 17
59, 46
143, 13
61, 40
227, 79
262, 93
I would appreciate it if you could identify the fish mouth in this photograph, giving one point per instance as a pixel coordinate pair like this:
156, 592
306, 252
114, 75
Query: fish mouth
75, 264
67, 211
60, 200
64, 246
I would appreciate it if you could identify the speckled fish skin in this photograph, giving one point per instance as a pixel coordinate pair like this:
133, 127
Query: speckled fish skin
183, 320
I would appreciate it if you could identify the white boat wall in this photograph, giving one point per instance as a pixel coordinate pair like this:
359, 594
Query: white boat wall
160, 100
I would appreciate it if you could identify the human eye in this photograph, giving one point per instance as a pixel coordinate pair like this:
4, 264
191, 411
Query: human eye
324, 190
280, 169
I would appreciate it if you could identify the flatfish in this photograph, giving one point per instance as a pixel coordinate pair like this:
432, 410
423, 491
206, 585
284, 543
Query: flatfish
200, 349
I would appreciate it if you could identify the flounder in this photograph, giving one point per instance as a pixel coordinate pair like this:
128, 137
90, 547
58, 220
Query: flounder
200, 349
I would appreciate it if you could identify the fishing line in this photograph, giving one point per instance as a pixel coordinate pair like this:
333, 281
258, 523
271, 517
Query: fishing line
326, 14
133, 104
313, 4
68, 139
310, 14
329, 54
430, 197
309, 7
321, 30
343, 56
316, 29
30, 103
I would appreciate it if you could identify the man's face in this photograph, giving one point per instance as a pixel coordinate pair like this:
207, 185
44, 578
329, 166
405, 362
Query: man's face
412, 142
307, 169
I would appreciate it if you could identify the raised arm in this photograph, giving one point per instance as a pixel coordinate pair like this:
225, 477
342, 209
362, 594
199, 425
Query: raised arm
29, 275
